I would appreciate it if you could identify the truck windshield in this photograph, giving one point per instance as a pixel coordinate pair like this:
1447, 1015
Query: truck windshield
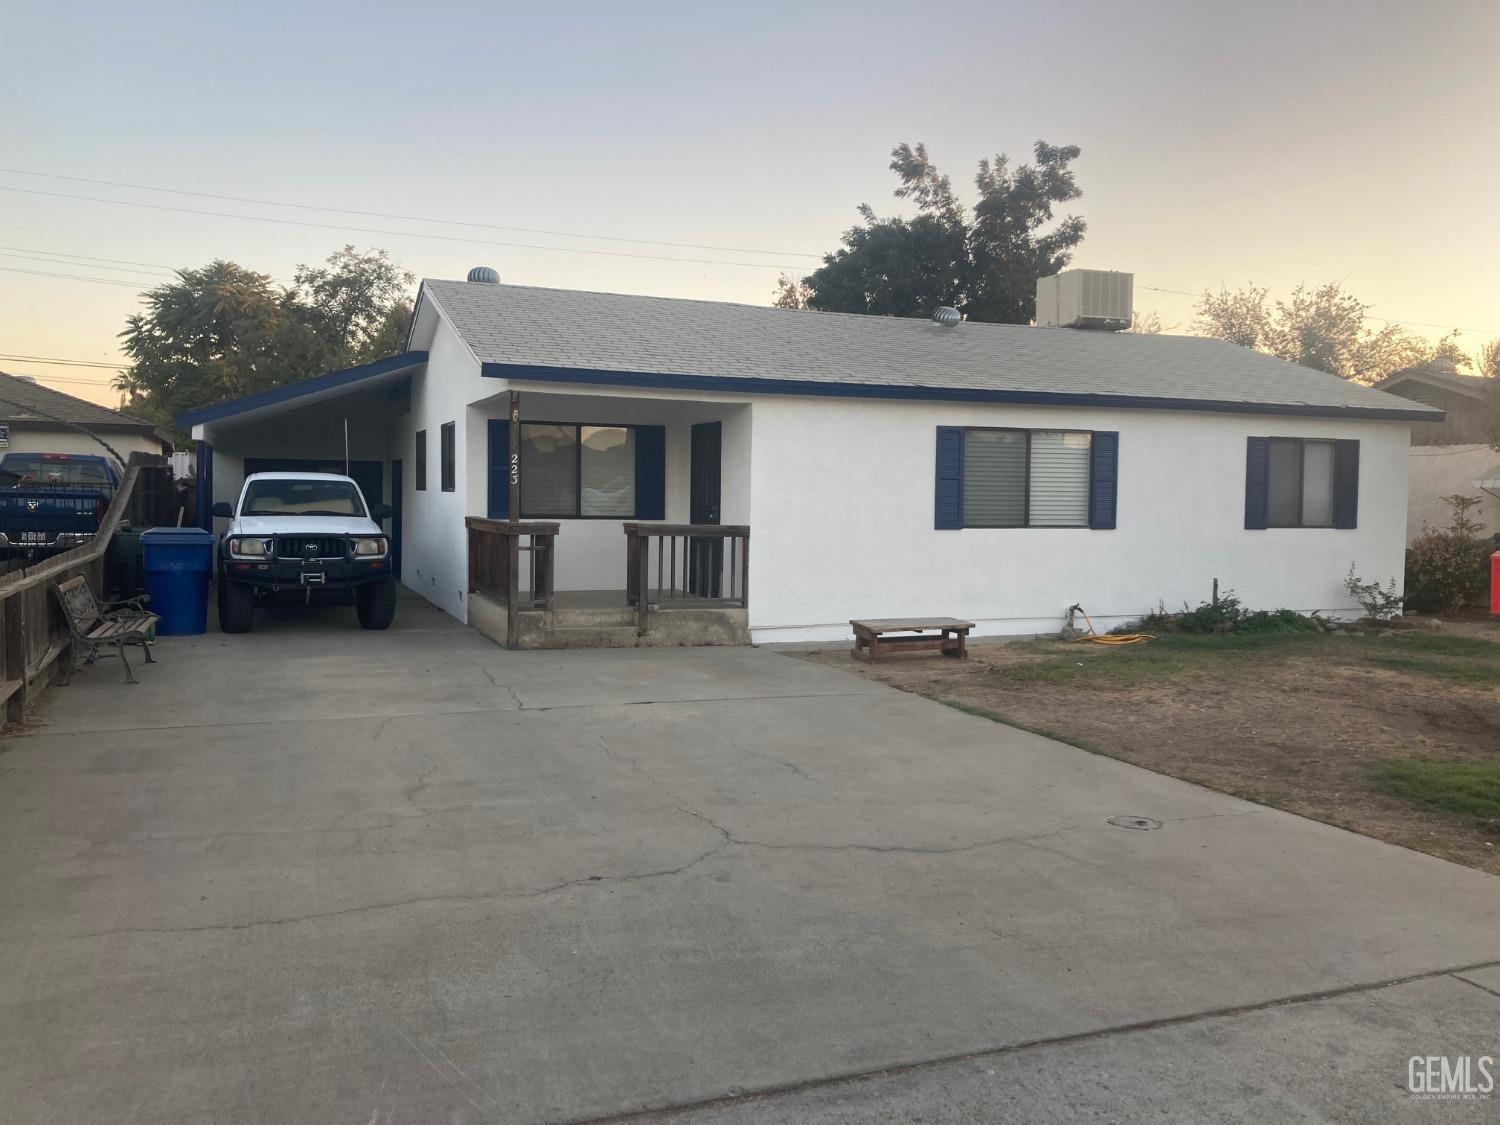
53, 469
301, 498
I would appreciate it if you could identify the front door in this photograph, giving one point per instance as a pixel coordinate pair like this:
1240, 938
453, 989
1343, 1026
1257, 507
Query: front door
706, 559
396, 517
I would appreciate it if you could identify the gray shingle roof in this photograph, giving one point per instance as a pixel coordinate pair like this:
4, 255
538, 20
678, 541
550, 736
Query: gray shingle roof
611, 332
28, 402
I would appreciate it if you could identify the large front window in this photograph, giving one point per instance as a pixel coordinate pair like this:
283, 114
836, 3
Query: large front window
575, 471
301, 498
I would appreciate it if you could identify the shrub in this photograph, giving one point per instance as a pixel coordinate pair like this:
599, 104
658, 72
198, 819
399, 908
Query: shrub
1448, 568
1380, 603
1221, 616
1278, 621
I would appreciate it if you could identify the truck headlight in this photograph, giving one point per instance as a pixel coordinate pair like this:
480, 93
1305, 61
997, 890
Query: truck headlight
369, 548
250, 548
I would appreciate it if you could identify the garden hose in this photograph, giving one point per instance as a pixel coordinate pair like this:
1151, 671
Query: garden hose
1094, 637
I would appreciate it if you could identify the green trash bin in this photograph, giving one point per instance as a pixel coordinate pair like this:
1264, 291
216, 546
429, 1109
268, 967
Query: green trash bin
125, 569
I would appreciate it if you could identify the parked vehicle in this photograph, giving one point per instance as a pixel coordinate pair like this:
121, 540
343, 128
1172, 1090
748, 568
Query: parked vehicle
53, 501
303, 531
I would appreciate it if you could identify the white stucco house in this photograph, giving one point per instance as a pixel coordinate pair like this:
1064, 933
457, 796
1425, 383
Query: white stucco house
878, 467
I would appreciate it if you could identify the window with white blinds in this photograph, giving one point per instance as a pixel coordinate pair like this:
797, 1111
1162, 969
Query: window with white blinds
1026, 478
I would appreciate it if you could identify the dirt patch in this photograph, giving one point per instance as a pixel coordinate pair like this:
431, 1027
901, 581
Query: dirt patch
1301, 722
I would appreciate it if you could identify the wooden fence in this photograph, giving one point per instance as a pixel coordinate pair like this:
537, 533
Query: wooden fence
31, 623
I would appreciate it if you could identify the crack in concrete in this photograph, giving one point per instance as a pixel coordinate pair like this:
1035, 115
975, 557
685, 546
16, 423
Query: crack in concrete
421, 900
320, 830
514, 698
410, 795
740, 841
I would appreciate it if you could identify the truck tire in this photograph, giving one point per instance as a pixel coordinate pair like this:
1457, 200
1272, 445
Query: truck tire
375, 602
236, 606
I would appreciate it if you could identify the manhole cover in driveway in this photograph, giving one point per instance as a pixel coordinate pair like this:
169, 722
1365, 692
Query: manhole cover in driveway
1139, 823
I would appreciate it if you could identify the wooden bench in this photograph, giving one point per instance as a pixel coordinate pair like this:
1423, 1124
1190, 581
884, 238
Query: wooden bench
115, 625
875, 638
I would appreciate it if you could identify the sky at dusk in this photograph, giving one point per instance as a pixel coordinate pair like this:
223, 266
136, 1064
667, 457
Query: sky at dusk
1222, 143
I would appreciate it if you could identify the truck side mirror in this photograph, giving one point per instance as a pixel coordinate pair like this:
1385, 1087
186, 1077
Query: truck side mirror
223, 509
381, 512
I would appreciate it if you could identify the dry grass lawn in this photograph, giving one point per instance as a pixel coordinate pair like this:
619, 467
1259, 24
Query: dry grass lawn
1394, 734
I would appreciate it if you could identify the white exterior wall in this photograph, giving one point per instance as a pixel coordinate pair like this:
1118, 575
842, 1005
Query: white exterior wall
842, 521
434, 541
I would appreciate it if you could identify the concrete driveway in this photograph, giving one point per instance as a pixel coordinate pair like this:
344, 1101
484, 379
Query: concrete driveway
314, 874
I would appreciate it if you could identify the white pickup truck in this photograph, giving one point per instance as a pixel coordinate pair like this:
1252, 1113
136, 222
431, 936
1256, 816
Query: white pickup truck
303, 531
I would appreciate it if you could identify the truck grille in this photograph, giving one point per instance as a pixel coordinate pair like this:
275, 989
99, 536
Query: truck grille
305, 547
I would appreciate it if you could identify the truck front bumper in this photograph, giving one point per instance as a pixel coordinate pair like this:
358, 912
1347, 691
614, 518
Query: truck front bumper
296, 574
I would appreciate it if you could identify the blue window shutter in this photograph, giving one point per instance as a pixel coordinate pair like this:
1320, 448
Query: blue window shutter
499, 459
1257, 482
650, 472
1104, 479
948, 511
1346, 483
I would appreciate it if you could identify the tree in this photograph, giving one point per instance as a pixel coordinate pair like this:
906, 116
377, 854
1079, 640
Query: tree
985, 264
1488, 359
1326, 328
346, 303
791, 292
1145, 324
221, 331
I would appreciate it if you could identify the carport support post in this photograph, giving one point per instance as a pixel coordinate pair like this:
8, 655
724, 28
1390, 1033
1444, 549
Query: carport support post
513, 540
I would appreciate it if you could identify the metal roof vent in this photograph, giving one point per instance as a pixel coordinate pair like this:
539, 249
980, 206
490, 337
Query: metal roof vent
26, 378
946, 316
484, 275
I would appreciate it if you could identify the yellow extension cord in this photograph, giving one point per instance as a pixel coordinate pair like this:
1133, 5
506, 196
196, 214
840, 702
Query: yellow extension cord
1093, 636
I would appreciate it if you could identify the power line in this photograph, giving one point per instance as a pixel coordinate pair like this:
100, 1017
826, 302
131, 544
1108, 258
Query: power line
136, 285
87, 257
407, 218
57, 261
399, 233
63, 379
64, 362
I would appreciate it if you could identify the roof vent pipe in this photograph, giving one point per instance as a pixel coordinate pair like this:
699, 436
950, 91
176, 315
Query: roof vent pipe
946, 316
484, 275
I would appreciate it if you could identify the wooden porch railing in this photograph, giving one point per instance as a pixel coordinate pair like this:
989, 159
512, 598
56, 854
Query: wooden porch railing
495, 568
693, 563
32, 626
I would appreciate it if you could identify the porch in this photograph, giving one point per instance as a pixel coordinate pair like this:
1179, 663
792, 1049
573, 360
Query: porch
623, 538
680, 585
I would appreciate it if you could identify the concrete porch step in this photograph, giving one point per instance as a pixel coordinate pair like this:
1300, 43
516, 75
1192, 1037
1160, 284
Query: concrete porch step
532, 635
610, 625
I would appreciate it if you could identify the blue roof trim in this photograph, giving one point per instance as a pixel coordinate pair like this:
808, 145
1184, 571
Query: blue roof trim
288, 391
757, 385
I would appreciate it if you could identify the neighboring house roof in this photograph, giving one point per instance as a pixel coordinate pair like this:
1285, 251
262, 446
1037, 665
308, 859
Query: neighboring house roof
1472, 385
565, 335
31, 405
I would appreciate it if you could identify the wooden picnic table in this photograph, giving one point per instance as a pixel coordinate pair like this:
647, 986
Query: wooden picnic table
874, 637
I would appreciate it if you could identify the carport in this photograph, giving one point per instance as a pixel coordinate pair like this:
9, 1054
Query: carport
342, 421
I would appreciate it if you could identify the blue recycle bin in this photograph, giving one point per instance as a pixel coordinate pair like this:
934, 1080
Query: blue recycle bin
179, 562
